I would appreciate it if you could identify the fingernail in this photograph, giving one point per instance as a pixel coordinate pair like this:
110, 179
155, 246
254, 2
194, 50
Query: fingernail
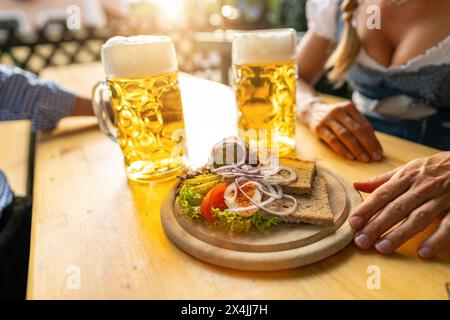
365, 157
349, 156
376, 155
357, 222
426, 252
362, 241
384, 246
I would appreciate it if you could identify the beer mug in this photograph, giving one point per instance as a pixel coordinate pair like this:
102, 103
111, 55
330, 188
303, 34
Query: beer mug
142, 88
265, 78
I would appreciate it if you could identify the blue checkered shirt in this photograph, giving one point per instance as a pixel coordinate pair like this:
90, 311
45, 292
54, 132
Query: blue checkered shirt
24, 96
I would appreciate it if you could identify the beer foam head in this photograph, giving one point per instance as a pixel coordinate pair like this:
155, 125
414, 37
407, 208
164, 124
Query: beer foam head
264, 46
138, 56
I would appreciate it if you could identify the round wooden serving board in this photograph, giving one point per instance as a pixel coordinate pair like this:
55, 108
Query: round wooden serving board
282, 247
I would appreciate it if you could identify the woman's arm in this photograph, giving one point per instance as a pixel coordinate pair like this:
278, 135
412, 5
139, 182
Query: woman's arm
339, 125
312, 53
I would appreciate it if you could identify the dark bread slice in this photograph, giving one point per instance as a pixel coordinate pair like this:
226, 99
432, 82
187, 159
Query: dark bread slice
305, 175
313, 208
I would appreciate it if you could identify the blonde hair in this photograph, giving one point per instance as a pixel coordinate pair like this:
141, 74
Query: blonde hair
347, 50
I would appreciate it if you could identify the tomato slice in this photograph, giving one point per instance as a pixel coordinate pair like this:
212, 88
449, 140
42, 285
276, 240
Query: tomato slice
217, 196
213, 199
205, 209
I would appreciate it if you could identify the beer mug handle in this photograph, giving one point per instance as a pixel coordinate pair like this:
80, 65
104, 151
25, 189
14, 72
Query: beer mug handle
101, 110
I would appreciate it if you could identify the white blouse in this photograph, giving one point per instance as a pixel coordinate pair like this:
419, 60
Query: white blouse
322, 19
321, 15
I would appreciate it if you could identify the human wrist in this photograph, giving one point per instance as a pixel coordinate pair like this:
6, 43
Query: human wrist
83, 107
306, 108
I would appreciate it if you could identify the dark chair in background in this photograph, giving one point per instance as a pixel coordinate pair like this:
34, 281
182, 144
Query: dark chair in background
51, 45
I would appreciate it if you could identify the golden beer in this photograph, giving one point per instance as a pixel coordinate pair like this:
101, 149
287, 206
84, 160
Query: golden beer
145, 97
265, 88
150, 125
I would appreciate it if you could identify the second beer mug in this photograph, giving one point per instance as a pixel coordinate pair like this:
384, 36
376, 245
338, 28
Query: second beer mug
142, 86
265, 74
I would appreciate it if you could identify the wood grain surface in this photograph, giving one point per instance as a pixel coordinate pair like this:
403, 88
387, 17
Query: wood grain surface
14, 145
97, 236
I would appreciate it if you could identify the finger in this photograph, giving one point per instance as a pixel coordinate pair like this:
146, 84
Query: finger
391, 215
363, 133
416, 222
378, 200
355, 114
348, 140
330, 138
439, 241
371, 184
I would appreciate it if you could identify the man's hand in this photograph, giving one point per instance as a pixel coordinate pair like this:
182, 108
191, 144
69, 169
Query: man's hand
345, 130
414, 194
83, 107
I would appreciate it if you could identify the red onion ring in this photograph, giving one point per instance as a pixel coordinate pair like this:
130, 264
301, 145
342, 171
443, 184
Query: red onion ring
286, 212
268, 181
263, 204
269, 175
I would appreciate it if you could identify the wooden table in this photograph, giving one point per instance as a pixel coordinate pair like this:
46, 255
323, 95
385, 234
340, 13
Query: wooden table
14, 148
97, 236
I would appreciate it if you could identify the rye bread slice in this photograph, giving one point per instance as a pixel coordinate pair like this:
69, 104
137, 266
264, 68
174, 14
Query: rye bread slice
305, 174
313, 208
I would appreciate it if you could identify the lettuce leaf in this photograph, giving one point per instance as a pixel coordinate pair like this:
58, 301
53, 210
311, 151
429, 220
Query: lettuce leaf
188, 194
237, 223
190, 201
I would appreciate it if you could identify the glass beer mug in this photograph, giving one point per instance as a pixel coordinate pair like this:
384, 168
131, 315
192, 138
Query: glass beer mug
265, 79
142, 88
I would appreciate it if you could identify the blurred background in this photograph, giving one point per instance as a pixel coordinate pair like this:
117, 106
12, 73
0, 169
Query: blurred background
35, 34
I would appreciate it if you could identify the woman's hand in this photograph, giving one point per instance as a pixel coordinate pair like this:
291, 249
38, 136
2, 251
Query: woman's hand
417, 193
345, 130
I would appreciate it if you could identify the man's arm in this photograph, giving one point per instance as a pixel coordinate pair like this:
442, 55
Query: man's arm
6, 196
83, 107
24, 96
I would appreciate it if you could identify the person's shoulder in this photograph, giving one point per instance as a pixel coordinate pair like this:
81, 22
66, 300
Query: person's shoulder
322, 5
4, 68
322, 17
7, 71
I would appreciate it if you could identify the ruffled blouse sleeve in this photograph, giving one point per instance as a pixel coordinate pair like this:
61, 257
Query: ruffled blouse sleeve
322, 17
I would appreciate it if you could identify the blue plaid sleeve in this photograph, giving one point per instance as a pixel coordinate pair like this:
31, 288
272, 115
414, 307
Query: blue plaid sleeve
24, 96
6, 196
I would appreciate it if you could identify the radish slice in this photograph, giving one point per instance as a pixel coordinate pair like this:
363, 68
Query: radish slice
268, 182
231, 194
263, 205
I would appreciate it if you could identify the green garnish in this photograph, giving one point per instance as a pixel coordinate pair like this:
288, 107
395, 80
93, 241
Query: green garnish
192, 197
203, 183
202, 179
189, 201
204, 188
237, 223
